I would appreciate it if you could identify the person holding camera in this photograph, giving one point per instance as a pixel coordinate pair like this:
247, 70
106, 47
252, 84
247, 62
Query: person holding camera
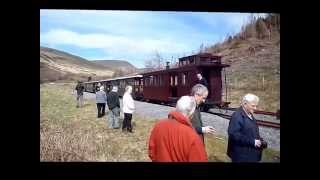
245, 143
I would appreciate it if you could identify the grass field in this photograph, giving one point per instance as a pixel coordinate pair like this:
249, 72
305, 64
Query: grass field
68, 133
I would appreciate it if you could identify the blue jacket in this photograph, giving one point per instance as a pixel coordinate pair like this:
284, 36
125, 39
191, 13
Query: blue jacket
242, 132
101, 97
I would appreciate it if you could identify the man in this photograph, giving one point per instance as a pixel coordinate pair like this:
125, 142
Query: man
202, 80
200, 93
174, 139
114, 107
101, 99
79, 88
244, 143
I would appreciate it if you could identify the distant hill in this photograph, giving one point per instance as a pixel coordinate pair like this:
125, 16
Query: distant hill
58, 65
115, 65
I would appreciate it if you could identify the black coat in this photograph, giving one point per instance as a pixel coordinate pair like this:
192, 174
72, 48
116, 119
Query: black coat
204, 82
113, 100
80, 89
242, 132
197, 122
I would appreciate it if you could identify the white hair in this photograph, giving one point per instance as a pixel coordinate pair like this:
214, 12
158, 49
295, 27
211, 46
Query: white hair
250, 98
186, 105
115, 89
128, 88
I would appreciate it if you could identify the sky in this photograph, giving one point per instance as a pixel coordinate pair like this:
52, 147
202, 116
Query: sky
135, 36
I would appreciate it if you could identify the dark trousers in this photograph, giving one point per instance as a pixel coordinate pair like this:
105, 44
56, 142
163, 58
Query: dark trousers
101, 109
127, 122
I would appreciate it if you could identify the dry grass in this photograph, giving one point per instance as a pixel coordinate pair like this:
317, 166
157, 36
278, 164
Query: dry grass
68, 133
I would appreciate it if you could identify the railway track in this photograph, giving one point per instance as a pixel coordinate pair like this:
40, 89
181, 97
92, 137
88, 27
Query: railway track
266, 119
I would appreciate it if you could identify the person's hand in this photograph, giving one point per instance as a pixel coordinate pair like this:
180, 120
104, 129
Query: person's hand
208, 129
257, 143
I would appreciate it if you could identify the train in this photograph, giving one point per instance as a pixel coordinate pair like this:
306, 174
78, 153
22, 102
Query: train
167, 85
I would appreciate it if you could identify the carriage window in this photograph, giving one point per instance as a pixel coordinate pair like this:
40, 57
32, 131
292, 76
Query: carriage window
160, 80
171, 80
184, 79
175, 80
155, 81
151, 80
146, 81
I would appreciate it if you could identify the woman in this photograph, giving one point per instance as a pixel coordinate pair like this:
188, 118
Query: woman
101, 99
128, 108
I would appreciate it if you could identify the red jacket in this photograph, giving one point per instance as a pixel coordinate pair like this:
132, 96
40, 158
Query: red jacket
175, 140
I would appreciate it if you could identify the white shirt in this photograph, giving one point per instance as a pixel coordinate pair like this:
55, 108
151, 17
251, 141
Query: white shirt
128, 103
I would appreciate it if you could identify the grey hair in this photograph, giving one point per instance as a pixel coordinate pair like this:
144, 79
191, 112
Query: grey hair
199, 89
101, 88
128, 87
250, 98
186, 105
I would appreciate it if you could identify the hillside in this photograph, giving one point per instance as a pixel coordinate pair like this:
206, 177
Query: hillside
58, 65
119, 66
254, 57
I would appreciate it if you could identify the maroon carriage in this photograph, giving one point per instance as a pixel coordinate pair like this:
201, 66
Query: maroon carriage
170, 84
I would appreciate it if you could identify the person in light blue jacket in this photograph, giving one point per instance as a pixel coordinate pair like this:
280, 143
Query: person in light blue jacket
101, 99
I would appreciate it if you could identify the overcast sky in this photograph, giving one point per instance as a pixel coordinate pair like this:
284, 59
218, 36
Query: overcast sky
134, 36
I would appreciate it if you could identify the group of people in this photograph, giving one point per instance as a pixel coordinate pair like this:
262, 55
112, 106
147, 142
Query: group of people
111, 100
180, 136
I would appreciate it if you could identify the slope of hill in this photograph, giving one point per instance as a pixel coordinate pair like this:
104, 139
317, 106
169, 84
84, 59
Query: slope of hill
115, 65
255, 65
59, 65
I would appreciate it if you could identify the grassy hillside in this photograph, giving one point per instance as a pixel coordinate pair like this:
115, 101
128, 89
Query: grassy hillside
68, 133
58, 65
254, 57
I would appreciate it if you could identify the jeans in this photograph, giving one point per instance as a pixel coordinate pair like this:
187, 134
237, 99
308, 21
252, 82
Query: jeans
113, 119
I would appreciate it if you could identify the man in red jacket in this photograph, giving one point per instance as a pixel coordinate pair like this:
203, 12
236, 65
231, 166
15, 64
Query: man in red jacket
174, 139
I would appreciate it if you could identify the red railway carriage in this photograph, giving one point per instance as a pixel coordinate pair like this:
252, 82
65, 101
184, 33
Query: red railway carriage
121, 82
170, 84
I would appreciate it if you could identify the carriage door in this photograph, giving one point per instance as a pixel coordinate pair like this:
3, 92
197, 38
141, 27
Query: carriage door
206, 75
173, 84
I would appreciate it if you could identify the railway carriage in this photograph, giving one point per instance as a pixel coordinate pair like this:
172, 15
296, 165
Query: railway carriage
166, 86
170, 84
121, 82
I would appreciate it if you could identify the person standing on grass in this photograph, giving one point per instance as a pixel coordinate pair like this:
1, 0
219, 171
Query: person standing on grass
173, 139
101, 99
79, 88
200, 93
114, 107
128, 108
244, 143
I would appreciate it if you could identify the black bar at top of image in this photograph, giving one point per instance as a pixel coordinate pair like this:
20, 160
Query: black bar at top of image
253, 6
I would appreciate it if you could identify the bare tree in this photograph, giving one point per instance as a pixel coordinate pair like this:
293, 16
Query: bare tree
156, 62
201, 48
